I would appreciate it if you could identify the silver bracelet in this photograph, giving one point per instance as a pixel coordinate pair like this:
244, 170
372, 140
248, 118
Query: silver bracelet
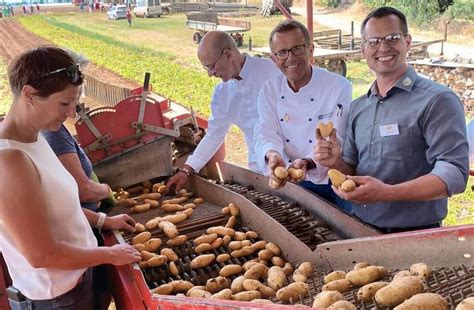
100, 221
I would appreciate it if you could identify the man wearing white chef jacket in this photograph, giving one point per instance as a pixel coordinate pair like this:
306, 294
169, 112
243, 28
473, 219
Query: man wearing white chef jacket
291, 105
234, 100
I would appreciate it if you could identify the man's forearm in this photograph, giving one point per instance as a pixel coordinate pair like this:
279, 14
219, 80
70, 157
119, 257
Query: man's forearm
424, 188
343, 167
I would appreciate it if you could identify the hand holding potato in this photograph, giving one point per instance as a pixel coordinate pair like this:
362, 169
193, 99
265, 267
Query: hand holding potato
122, 254
297, 170
121, 221
327, 152
178, 180
368, 190
276, 166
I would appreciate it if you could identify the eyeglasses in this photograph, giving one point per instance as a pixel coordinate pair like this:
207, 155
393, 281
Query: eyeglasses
72, 72
391, 39
211, 66
285, 53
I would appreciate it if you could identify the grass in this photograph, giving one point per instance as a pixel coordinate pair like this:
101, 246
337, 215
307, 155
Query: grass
5, 94
164, 47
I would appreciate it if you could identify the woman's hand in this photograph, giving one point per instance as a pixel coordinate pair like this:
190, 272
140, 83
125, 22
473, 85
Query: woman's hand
122, 254
121, 221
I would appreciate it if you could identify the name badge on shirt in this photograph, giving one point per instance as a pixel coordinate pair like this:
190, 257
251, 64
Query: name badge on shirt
389, 130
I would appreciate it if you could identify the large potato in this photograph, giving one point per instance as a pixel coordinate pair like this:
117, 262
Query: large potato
230, 270
141, 237
181, 286
326, 298
335, 275
217, 284
399, 290
424, 301
294, 291
342, 286
256, 272
202, 261
367, 292
364, 276
421, 269
224, 294
342, 305
247, 296
255, 285
466, 304
165, 289
237, 285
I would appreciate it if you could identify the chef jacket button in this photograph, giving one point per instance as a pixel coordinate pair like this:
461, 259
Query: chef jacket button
287, 140
310, 141
281, 119
282, 97
312, 99
310, 119
289, 160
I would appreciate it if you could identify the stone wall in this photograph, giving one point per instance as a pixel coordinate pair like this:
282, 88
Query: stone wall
459, 77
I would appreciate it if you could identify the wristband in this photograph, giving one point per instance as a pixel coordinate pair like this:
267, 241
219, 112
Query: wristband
185, 171
100, 221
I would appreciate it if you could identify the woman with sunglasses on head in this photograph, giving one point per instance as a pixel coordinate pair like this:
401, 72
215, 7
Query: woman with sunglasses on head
45, 237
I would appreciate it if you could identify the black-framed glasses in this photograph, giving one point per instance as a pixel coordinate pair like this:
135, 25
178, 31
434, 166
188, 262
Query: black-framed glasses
285, 53
391, 39
210, 67
72, 72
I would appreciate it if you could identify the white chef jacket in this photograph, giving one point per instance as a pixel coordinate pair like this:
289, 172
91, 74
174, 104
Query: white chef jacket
288, 120
235, 102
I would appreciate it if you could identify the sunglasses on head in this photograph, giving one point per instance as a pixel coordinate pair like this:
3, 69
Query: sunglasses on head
72, 72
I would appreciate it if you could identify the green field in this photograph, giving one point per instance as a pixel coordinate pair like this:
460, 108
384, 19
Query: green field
164, 47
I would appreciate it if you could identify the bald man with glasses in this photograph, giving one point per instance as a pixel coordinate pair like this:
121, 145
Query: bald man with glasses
234, 100
406, 145
292, 105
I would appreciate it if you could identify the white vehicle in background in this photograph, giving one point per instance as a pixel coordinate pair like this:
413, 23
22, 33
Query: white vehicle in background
147, 8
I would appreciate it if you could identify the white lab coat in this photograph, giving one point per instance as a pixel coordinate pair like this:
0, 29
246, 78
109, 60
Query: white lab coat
288, 120
235, 102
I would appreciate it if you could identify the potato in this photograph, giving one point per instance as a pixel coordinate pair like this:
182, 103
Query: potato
202, 261
153, 223
337, 177
326, 298
198, 201
153, 203
174, 201
265, 255
262, 301
217, 284
127, 202
250, 264
141, 237
288, 269
342, 305
424, 301
230, 270
254, 285
272, 247
170, 254
169, 229
168, 207
224, 294
198, 293
233, 209
190, 206
156, 186
280, 172
306, 269
152, 244
139, 228
399, 290
175, 218
221, 231
293, 291
152, 196
256, 272
348, 186
181, 286
466, 304
156, 261
335, 275
235, 245
299, 277
364, 276
237, 285
222, 258
147, 255
276, 278
142, 265
226, 240
295, 174
239, 236
165, 289
140, 208
367, 292
259, 245
246, 250
188, 212
402, 273
361, 265
139, 247
231, 222
177, 241
325, 129
205, 239
341, 286
247, 296
421, 269
278, 261
203, 247
275, 183
251, 234
216, 243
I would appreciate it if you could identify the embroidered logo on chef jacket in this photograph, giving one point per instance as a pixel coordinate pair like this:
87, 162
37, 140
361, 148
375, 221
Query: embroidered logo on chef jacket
389, 130
324, 116
406, 82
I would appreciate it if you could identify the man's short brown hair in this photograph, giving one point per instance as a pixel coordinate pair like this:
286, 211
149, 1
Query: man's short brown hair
288, 25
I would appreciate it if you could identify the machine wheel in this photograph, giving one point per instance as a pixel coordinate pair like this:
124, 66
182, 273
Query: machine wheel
338, 66
197, 37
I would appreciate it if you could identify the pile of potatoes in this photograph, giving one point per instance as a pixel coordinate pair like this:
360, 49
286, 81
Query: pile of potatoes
405, 291
257, 280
